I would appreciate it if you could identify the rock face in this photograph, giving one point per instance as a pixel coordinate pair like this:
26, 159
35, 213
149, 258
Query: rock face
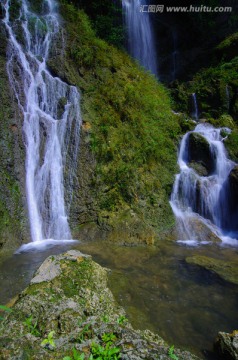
199, 152
69, 306
233, 181
226, 345
13, 219
226, 270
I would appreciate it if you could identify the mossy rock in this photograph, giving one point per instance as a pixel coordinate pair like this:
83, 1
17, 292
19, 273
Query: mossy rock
226, 270
227, 49
231, 144
225, 121
226, 345
199, 168
199, 152
69, 296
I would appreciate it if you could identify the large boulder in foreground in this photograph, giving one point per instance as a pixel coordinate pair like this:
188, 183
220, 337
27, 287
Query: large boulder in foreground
226, 345
68, 308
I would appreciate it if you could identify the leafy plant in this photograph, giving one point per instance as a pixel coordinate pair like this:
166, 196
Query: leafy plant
4, 308
108, 338
85, 332
49, 340
105, 318
122, 319
76, 356
32, 327
106, 352
171, 353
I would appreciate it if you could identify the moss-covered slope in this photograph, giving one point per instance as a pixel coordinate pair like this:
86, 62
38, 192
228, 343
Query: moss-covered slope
129, 129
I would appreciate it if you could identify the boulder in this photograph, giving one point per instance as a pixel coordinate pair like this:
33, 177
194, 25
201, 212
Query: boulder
68, 309
226, 345
199, 152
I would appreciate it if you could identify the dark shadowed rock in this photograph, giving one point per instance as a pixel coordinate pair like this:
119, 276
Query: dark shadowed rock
226, 345
199, 152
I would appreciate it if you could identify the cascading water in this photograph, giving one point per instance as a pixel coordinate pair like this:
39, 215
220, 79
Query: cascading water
51, 114
195, 113
204, 199
141, 45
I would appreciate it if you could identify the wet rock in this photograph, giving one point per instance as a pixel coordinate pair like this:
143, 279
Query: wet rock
233, 180
199, 168
226, 345
227, 270
69, 299
229, 197
199, 152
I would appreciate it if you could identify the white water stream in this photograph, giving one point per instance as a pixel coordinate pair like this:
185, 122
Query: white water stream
141, 43
51, 113
203, 199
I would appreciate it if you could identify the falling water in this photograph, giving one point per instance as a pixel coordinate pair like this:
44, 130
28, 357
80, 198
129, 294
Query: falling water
141, 43
51, 113
195, 113
203, 199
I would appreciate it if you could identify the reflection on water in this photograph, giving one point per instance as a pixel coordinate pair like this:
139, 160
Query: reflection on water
185, 304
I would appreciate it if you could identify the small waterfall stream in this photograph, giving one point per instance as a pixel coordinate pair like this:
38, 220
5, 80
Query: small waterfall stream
202, 200
141, 44
51, 114
195, 113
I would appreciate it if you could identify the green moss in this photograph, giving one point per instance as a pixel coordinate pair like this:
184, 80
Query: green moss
231, 144
133, 132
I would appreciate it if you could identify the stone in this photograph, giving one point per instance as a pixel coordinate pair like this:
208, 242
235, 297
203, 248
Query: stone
226, 345
69, 299
199, 152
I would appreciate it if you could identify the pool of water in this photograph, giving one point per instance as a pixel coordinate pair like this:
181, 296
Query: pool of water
185, 304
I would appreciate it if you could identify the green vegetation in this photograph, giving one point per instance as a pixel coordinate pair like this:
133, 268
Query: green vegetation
171, 353
106, 19
49, 341
131, 129
122, 320
216, 86
104, 351
32, 326
4, 308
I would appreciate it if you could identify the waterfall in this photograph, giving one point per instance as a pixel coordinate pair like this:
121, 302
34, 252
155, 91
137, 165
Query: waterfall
51, 117
141, 44
195, 113
203, 198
